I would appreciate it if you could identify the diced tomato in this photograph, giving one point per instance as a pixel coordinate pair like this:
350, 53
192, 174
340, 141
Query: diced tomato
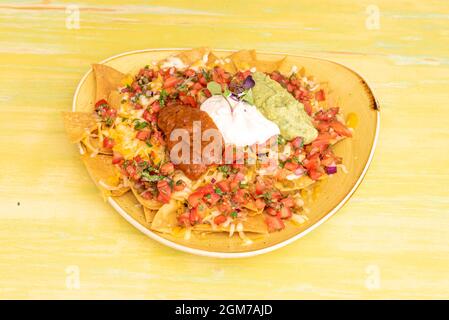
341, 129
239, 176
212, 198
220, 219
117, 158
202, 80
291, 166
285, 213
143, 135
170, 82
197, 86
108, 143
184, 219
288, 202
224, 186
312, 162
320, 96
156, 106
308, 107
195, 198
314, 174
101, 103
208, 188
164, 191
276, 196
179, 185
147, 195
194, 216
297, 142
146, 116
224, 207
190, 73
188, 100
274, 223
260, 187
234, 185
167, 168
272, 211
240, 196
131, 170
260, 203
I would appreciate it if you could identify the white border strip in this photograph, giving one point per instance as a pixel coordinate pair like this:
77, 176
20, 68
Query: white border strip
215, 254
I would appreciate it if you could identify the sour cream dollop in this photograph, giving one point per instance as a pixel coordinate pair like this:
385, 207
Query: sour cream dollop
240, 123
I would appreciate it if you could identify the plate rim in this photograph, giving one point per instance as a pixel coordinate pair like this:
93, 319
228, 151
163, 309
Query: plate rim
245, 254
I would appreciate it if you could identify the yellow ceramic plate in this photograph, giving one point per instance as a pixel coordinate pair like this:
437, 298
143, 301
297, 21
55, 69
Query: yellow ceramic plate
356, 101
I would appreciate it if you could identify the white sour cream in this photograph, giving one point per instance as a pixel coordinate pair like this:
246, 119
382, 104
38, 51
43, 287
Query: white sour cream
240, 123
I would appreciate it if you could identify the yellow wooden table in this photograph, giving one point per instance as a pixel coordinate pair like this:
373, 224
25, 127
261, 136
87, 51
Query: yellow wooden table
60, 240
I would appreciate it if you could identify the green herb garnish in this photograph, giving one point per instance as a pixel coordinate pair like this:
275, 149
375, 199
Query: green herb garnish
151, 177
162, 97
218, 191
139, 125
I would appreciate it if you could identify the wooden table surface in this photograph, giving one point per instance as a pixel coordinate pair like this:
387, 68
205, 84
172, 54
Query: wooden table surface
60, 240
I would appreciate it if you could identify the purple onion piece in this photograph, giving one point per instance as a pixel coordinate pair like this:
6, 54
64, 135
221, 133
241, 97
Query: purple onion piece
248, 83
234, 97
331, 170
213, 180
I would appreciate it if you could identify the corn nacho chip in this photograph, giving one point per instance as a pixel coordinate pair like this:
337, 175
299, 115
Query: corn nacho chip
104, 174
293, 185
253, 224
79, 124
287, 67
166, 217
192, 56
149, 214
148, 203
244, 59
107, 79
114, 99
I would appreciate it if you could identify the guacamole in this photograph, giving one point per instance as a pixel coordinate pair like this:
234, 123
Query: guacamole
279, 106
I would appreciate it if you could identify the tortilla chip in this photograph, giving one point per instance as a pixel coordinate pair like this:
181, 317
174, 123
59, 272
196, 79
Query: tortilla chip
166, 217
100, 168
79, 124
244, 59
254, 224
293, 185
267, 66
149, 214
150, 204
191, 56
92, 144
115, 100
107, 80
286, 67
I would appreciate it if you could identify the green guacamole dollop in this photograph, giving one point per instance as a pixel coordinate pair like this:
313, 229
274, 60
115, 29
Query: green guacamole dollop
279, 106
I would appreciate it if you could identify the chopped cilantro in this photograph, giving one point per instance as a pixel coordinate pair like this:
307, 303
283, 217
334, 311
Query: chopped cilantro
224, 169
151, 177
206, 74
218, 191
281, 140
163, 96
139, 125
207, 196
234, 214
